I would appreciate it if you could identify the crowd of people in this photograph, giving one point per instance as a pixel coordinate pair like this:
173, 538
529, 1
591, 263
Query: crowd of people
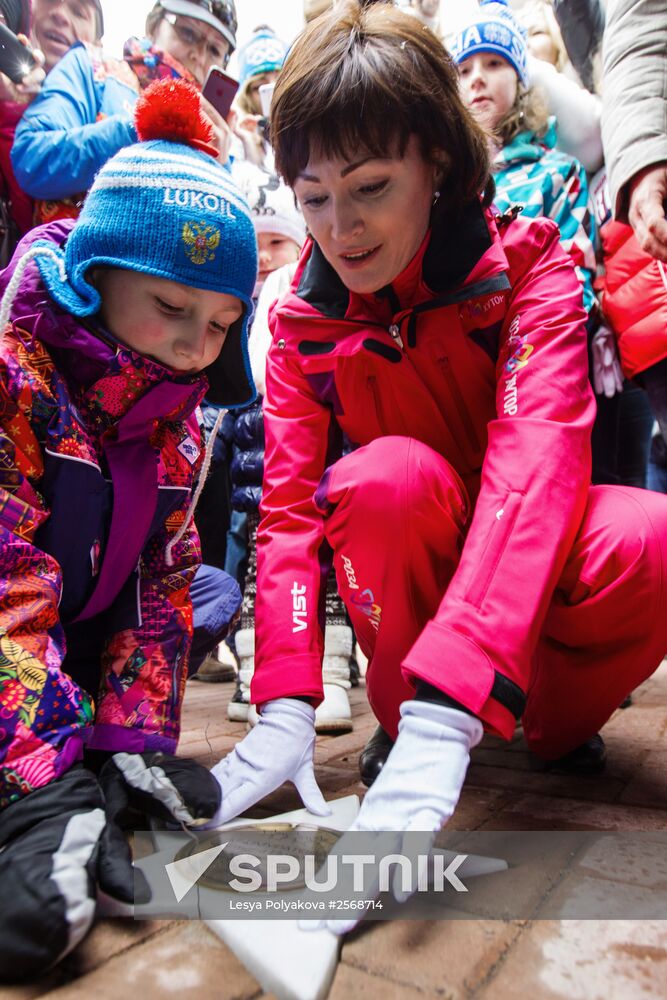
369, 370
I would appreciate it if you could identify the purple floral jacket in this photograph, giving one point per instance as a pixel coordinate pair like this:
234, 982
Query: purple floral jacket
99, 448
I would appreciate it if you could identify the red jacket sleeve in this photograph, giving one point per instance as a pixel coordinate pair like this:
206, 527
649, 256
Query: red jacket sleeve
535, 481
292, 560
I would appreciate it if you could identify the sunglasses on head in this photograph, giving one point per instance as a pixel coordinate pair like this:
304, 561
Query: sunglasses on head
220, 9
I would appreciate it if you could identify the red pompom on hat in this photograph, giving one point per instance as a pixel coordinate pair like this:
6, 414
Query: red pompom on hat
171, 110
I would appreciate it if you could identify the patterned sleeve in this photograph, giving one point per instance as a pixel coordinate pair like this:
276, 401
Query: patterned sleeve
42, 712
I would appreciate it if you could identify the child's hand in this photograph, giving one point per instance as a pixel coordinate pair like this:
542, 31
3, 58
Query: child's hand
246, 123
223, 133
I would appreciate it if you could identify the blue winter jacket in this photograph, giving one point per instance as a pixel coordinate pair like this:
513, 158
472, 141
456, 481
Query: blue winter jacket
81, 117
247, 468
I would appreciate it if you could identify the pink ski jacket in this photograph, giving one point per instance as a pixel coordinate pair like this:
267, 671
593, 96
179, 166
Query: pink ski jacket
478, 349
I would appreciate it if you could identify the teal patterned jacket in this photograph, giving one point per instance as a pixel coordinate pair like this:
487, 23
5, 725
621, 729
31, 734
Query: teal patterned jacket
530, 171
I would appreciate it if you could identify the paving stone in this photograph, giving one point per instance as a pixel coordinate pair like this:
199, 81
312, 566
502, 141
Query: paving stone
448, 956
353, 984
539, 812
593, 788
644, 723
648, 784
537, 864
108, 938
584, 960
186, 962
636, 858
475, 806
584, 898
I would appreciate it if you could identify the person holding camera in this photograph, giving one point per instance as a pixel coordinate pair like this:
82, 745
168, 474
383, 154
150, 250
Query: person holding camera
21, 76
487, 581
83, 113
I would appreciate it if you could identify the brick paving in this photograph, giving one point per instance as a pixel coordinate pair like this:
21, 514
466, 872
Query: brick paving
453, 959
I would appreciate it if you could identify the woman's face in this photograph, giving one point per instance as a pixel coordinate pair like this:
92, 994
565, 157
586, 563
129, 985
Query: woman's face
488, 87
193, 43
369, 216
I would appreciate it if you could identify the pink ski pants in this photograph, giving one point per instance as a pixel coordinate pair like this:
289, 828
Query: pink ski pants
601, 637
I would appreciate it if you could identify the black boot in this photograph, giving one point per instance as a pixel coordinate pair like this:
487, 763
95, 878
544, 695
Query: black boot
589, 758
374, 755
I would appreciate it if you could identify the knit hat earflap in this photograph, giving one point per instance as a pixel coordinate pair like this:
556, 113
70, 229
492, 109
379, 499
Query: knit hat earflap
165, 207
264, 53
493, 29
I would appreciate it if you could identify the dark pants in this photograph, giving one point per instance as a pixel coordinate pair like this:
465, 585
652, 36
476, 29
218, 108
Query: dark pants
654, 380
621, 438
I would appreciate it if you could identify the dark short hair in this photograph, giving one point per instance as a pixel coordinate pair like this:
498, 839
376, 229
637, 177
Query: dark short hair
366, 79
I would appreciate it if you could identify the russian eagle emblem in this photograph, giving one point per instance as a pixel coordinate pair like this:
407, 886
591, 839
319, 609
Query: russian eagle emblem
201, 241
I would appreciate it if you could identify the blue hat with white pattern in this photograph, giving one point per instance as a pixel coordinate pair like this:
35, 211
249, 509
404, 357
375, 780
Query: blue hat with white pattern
264, 53
167, 209
494, 29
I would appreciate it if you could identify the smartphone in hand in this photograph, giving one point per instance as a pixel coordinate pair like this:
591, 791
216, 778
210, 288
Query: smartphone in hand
220, 90
16, 60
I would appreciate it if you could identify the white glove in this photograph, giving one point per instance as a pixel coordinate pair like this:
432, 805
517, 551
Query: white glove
418, 787
607, 374
280, 748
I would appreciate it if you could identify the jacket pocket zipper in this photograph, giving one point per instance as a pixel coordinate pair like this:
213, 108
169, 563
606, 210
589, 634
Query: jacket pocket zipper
464, 415
499, 534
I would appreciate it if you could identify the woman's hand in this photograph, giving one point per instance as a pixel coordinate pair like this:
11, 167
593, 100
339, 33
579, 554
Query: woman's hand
279, 749
223, 133
415, 792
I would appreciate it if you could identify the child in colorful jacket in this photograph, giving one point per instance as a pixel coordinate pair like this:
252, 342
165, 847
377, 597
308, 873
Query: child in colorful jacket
119, 324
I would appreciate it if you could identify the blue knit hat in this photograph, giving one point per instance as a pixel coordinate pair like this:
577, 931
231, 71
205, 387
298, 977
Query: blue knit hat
264, 53
494, 29
168, 209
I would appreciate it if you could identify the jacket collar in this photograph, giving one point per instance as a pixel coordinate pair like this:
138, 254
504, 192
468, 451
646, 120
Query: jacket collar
454, 253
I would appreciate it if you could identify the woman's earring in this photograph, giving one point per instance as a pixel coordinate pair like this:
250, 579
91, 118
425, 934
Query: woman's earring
436, 196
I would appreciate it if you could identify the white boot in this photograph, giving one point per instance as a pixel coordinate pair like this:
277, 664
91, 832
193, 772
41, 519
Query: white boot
239, 706
334, 714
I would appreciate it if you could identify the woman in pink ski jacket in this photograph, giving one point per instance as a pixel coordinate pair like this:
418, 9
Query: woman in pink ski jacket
486, 580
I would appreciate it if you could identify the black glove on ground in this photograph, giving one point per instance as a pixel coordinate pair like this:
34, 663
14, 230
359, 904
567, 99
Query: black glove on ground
158, 785
56, 845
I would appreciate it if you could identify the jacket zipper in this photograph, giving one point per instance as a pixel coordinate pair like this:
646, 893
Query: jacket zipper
395, 334
464, 415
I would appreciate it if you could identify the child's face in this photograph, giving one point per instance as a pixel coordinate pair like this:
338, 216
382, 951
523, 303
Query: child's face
255, 84
274, 251
488, 87
183, 328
